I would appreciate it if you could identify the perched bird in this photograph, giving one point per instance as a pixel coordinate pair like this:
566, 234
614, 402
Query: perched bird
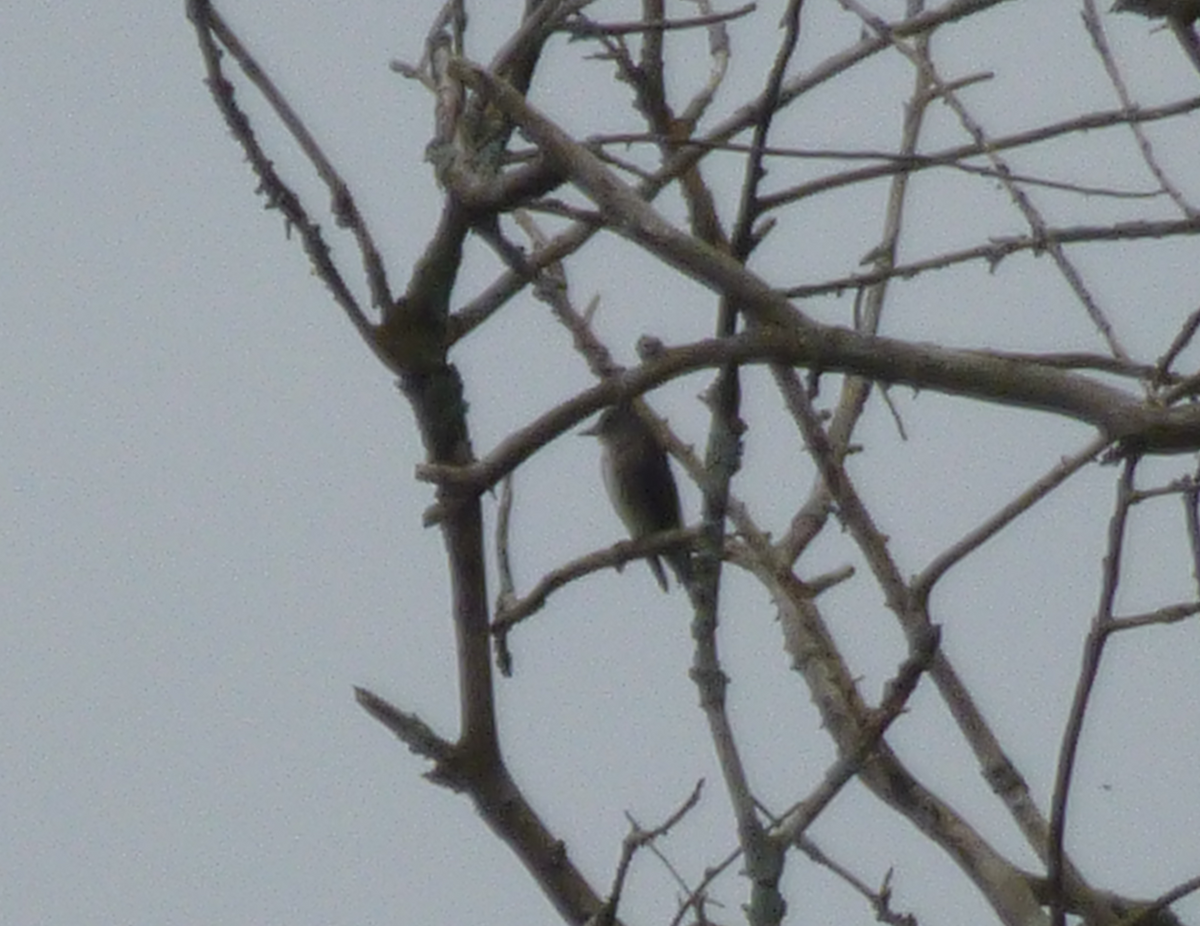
1185, 11
639, 483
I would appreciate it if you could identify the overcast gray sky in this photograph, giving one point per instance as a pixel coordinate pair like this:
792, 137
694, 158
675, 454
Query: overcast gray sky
211, 530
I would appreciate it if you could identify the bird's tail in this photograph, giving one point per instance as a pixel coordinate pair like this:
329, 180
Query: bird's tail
680, 562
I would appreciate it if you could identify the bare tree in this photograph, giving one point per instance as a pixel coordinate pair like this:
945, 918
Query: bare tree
540, 198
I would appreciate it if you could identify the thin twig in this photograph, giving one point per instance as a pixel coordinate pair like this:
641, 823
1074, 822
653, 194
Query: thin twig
1095, 29
638, 838
342, 204
977, 537
209, 28
897, 692
585, 29
1017, 194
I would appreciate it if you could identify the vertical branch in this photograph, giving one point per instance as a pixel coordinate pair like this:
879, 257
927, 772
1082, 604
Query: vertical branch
1092, 653
1191, 509
750, 208
855, 389
764, 856
650, 84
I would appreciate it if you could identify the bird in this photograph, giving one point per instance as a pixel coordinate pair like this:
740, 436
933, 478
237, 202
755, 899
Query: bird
640, 484
1185, 11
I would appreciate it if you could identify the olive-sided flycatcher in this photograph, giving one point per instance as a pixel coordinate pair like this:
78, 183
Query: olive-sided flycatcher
1184, 11
640, 484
